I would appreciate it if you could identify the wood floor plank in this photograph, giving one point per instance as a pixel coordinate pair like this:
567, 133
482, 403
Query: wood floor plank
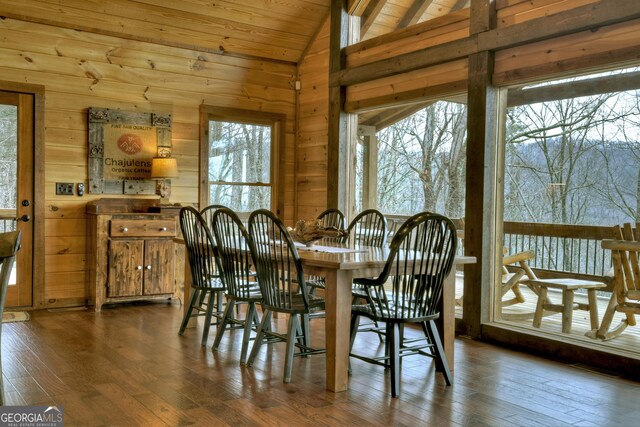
128, 366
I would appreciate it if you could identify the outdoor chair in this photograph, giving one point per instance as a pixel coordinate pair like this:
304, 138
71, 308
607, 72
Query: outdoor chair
625, 296
234, 265
408, 290
283, 288
9, 245
208, 289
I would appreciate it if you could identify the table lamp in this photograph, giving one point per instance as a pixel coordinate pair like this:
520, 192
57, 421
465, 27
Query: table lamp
163, 168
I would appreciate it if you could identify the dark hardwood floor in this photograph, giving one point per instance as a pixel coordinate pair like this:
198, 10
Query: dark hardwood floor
128, 366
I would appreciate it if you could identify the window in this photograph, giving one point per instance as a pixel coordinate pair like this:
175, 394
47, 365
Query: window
572, 155
420, 159
238, 158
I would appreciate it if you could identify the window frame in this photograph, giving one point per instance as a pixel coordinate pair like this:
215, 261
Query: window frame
274, 120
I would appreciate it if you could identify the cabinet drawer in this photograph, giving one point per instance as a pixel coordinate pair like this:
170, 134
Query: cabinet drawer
143, 228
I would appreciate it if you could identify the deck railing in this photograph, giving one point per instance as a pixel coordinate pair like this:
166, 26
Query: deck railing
7, 220
573, 249
560, 249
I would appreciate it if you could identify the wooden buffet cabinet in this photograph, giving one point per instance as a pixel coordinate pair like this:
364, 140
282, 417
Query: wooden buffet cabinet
132, 254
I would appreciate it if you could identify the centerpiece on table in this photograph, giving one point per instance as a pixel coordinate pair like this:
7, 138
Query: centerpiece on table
311, 231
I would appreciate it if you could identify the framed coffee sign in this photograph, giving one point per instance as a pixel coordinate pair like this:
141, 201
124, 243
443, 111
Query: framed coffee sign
121, 146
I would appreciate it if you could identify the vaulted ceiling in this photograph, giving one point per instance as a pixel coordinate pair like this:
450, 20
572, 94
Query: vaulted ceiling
274, 30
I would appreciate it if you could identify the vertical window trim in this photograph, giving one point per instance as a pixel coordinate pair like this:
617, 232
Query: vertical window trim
274, 120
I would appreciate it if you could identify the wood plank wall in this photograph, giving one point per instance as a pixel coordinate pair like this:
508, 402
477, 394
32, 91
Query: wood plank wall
313, 110
80, 70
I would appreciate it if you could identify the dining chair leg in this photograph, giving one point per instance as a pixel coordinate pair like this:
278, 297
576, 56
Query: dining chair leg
441, 357
207, 318
353, 328
187, 316
226, 317
428, 338
246, 335
291, 345
264, 325
299, 336
394, 358
306, 330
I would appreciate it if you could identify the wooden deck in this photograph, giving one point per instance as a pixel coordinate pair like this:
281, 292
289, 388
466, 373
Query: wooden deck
628, 342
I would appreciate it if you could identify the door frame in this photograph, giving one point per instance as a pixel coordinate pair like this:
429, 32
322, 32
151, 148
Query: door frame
38, 286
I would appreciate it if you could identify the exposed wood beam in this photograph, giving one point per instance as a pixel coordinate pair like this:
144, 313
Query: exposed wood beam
584, 18
370, 14
407, 62
480, 232
526, 74
415, 95
460, 4
337, 125
597, 86
484, 13
392, 116
415, 12
414, 30
357, 7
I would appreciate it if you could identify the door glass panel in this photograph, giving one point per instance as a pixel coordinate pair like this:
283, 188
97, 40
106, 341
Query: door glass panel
8, 170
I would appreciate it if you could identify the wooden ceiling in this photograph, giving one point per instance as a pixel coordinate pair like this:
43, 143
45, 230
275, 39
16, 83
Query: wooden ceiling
273, 30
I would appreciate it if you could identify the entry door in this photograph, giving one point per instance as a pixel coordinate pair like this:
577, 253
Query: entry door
16, 188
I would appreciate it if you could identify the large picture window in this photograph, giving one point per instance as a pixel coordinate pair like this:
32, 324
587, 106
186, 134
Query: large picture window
238, 159
572, 155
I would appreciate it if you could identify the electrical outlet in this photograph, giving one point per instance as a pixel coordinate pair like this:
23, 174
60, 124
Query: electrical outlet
64, 188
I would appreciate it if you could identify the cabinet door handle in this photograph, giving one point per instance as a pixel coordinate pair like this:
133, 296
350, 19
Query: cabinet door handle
139, 267
148, 267
163, 229
124, 229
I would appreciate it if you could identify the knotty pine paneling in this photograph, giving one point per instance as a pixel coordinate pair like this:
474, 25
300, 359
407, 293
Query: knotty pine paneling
121, 17
389, 90
517, 11
66, 245
563, 55
313, 110
80, 70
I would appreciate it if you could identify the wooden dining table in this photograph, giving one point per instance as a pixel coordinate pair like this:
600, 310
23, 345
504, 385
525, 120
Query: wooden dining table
339, 270
339, 265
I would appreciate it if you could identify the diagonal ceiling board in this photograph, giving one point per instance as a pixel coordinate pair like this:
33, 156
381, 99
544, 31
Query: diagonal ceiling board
415, 12
460, 4
370, 15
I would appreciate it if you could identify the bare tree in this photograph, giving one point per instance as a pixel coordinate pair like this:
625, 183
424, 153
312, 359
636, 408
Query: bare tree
425, 153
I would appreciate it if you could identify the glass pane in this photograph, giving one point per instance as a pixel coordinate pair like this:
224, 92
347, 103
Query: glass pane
8, 166
239, 152
572, 157
240, 198
421, 162
359, 172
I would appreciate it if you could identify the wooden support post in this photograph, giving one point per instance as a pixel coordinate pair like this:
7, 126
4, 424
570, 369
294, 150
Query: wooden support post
337, 131
481, 205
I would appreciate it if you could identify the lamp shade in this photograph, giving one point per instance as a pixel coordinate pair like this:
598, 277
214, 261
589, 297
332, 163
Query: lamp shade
164, 167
